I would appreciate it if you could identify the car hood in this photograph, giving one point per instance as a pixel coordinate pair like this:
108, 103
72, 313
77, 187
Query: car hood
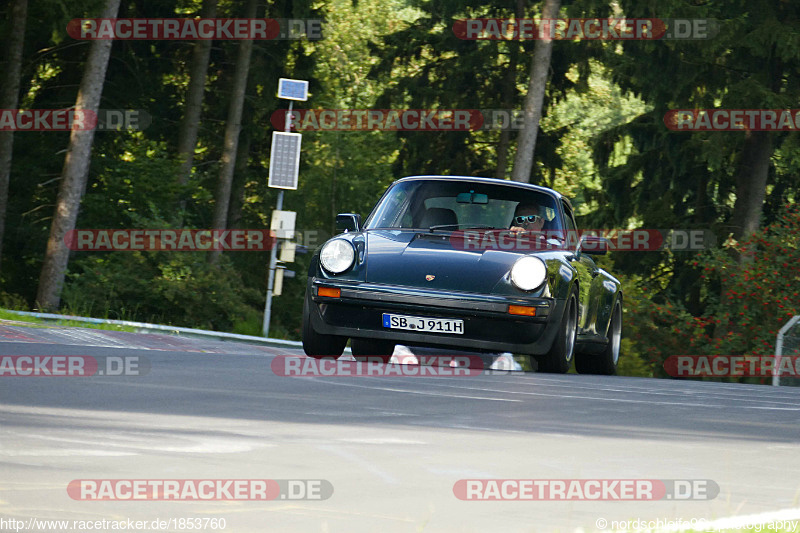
429, 260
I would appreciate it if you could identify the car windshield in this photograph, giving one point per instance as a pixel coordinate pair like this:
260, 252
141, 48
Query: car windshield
452, 205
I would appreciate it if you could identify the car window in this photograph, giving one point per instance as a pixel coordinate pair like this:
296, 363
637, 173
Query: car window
392, 211
570, 222
457, 205
474, 214
572, 230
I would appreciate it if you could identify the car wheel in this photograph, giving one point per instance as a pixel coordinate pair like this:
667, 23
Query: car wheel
371, 350
604, 363
559, 358
317, 345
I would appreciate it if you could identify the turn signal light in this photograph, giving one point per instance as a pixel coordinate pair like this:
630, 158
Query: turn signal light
521, 310
330, 292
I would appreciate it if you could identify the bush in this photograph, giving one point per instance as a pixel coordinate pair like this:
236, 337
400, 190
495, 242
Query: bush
172, 288
752, 288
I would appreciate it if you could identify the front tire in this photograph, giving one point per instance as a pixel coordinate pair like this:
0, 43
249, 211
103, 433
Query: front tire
559, 359
371, 350
317, 345
604, 363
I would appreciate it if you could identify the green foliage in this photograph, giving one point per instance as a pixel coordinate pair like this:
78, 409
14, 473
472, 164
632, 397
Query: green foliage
758, 294
749, 301
132, 186
426, 66
12, 301
596, 105
169, 288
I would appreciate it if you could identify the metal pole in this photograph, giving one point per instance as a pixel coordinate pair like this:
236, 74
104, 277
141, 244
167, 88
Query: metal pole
273, 263
273, 255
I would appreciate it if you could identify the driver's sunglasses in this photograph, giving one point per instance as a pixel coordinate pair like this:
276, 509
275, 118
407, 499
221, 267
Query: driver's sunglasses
526, 219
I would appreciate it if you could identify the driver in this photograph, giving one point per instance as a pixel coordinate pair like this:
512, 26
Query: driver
527, 218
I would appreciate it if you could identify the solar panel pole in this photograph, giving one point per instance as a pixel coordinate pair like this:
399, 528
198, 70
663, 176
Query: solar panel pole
273, 254
284, 159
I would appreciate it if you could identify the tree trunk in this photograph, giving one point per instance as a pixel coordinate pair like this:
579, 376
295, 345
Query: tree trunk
187, 135
509, 94
540, 66
239, 181
751, 183
75, 172
232, 128
751, 189
753, 168
9, 99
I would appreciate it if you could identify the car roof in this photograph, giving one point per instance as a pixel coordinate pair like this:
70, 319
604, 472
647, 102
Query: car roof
493, 181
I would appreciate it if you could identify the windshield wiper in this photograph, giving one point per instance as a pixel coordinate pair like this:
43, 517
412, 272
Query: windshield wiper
457, 226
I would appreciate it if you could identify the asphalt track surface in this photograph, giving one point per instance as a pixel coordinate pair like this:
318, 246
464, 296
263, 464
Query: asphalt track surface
392, 447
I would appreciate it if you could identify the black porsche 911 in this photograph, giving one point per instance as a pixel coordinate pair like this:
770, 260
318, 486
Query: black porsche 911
465, 263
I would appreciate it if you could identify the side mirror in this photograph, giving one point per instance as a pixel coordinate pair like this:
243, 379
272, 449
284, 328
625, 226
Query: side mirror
592, 245
346, 222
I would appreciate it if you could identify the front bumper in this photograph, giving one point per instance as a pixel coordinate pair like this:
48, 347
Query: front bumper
488, 326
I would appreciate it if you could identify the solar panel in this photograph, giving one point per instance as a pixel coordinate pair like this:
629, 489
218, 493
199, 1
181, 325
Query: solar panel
292, 89
284, 160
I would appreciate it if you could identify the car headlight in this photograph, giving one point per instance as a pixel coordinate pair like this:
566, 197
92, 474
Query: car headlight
337, 256
528, 273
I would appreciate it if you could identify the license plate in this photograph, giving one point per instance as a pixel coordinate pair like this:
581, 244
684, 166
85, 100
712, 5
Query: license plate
421, 323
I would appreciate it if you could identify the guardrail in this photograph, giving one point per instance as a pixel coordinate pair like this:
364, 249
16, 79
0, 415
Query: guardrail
143, 327
776, 374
